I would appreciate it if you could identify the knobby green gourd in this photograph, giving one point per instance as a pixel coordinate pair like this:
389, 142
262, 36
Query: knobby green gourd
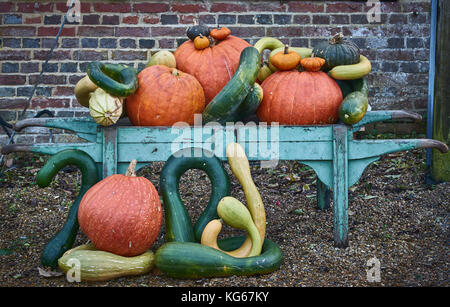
248, 106
97, 265
356, 103
177, 221
116, 79
227, 101
65, 238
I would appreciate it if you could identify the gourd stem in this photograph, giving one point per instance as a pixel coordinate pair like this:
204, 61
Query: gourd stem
175, 72
286, 49
336, 39
131, 170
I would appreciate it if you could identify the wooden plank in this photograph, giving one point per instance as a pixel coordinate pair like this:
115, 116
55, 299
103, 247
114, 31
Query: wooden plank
340, 185
110, 151
263, 133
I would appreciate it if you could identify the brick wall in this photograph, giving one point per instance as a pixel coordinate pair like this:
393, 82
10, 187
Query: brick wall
127, 32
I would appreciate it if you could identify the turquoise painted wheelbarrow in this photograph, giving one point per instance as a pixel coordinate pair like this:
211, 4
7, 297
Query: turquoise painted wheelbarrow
337, 158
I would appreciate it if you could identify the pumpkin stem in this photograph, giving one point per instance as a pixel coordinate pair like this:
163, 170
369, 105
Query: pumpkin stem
131, 170
337, 38
286, 49
175, 72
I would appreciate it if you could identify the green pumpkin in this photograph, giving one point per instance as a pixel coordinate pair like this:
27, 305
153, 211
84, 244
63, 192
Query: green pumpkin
338, 51
195, 30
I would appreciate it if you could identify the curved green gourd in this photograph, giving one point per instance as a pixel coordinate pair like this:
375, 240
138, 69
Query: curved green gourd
115, 79
177, 221
65, 238
182, 256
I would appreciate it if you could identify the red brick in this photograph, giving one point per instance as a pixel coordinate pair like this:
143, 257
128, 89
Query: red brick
132, 31
150, 7
63, 91
43, 103
62, 7
6, 7
53, 31
273, 6
168, 31
417, 7
188, 8
56, 55
45, 7
312, 31
150, 19
48, 79
17, 31
166, 43
26, 7
12, 79
33, 20
130, 20
90, 55
228, 7
388, 7
112, 7
128, 55
95, 31
345, 7
12, 103
247, 32
17, 55
284, 31
301, 6
186, 19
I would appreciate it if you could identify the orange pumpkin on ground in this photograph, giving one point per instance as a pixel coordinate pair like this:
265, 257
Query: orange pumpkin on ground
213, 66
300, 98
165, 96
121, 214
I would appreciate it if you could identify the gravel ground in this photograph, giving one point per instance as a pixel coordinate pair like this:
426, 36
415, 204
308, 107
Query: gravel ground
394, 216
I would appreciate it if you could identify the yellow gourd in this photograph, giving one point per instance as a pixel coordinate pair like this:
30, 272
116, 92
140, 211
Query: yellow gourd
241, 169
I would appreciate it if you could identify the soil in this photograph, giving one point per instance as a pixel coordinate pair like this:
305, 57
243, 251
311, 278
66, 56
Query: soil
393, 216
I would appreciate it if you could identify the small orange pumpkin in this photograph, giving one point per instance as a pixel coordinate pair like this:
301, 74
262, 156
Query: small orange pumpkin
121, 214
201, 42
312, 63
220, 34
286, 60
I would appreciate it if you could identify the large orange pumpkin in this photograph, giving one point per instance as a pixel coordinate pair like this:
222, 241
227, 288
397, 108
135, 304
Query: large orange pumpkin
121, 214
300, 98
165, 96
213, 66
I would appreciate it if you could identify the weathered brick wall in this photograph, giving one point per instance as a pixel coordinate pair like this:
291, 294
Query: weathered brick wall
127, 32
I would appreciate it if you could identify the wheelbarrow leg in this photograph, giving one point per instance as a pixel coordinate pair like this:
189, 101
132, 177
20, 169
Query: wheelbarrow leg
323, 195
340, 185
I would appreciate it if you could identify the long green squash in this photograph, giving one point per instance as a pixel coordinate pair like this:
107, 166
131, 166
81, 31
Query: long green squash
65, 238
177, 221
193, 260
227, 101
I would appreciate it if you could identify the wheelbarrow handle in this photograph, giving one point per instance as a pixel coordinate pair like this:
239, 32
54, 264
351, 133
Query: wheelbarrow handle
30, 122
7, 149
379, 116
430, 143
